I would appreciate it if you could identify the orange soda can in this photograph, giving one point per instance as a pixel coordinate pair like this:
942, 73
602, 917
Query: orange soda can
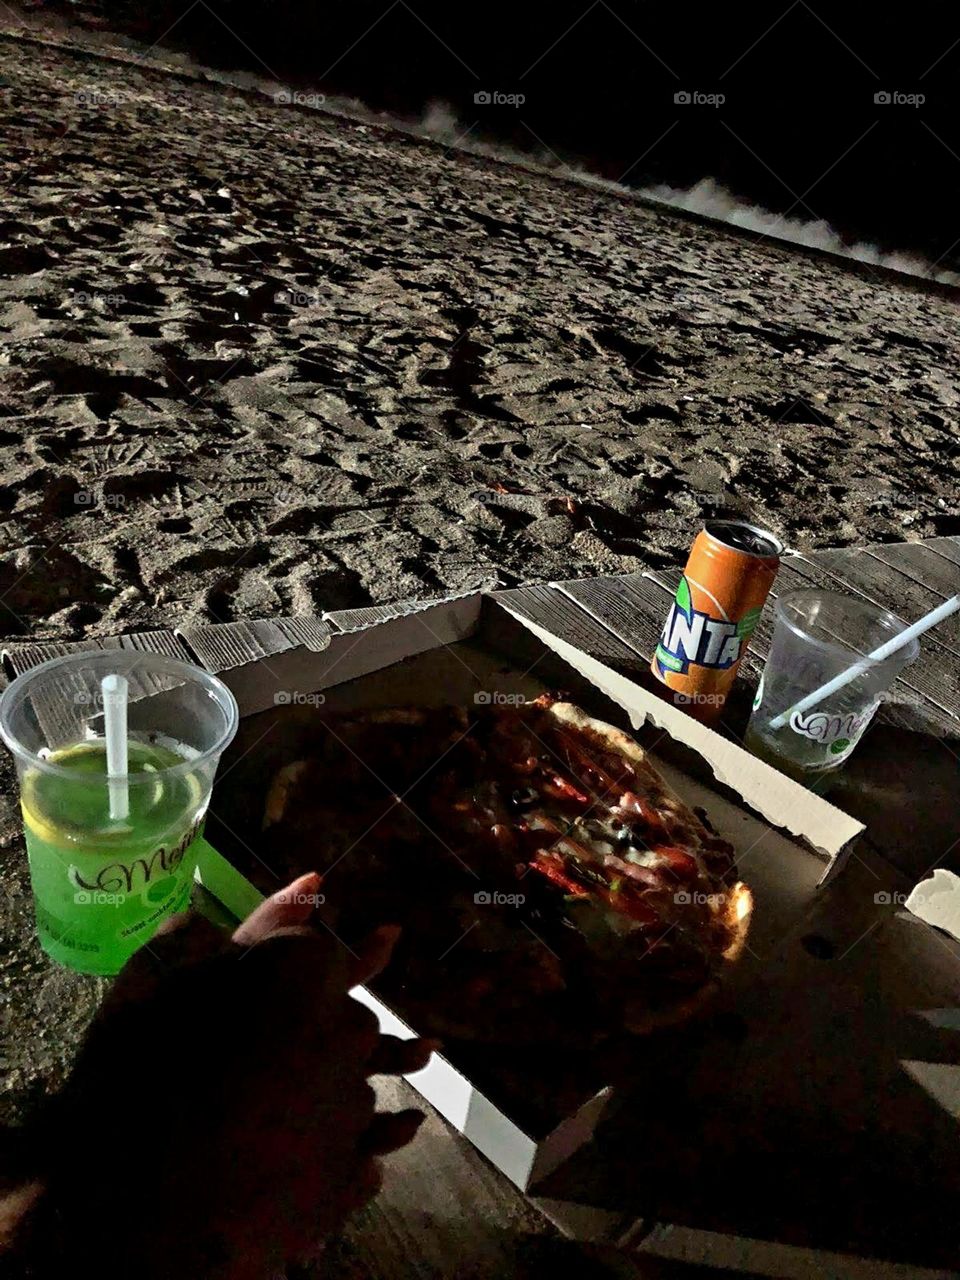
717, 607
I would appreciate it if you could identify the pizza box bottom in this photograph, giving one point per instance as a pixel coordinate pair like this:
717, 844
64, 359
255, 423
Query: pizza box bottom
525, 1111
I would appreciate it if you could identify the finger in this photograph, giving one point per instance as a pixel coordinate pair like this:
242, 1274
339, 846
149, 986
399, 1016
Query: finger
396, 1057
372, 955
290, 906
391, 1131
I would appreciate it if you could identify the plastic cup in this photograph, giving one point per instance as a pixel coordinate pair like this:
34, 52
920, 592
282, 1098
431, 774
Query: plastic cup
817, 635
103, 885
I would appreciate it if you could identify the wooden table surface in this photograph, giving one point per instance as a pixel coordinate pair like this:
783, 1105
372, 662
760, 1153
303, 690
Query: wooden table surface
445, 1211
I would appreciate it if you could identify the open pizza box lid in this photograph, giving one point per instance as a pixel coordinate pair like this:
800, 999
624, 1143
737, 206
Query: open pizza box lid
478, 648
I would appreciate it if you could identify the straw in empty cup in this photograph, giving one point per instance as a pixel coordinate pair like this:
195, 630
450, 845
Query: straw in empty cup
880, 654
831, 660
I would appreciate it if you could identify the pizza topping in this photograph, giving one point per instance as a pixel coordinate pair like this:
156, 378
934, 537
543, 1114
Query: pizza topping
630, 803
641, 857
642, 875
561, 872
522, 798
558, 787
581, 859
683, 863
579, 759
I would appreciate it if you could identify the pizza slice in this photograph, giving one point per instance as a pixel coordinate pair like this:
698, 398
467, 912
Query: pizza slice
544, 873
647, 884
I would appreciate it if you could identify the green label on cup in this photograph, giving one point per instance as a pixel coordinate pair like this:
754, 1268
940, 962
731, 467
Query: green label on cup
102, 886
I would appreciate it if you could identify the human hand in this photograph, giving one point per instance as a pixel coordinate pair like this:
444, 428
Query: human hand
219, 1119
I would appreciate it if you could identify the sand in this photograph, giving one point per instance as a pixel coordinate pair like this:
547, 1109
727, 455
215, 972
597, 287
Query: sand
259, 361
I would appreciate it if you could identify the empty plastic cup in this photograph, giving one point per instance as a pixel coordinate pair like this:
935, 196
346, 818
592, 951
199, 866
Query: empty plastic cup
103, 883
817, 635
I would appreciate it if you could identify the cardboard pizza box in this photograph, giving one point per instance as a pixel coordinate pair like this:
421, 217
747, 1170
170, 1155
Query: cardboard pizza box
481, 649
817, 1106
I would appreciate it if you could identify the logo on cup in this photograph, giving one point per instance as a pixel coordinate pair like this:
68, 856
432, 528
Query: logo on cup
838, 733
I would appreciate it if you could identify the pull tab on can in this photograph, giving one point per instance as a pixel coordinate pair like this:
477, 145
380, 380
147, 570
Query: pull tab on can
717, 607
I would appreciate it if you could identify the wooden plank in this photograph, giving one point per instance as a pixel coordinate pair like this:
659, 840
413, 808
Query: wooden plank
631, 605
63, 706
346, 621
895, 589
666, 579
922, 564
166, 643
932, 682
551, 609
220, 646
949, 548
18, 658
311, 633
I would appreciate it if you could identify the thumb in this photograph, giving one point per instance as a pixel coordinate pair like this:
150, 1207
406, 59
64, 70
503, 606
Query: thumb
289, 907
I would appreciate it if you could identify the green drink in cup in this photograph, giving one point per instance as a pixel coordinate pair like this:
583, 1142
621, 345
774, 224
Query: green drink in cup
116, 752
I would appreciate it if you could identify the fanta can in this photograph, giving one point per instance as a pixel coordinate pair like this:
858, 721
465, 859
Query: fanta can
717, 607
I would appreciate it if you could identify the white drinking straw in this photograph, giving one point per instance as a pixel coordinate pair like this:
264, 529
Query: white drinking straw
885, 650
115, 691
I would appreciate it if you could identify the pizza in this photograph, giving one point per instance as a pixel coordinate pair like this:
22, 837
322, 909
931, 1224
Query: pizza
550, 884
